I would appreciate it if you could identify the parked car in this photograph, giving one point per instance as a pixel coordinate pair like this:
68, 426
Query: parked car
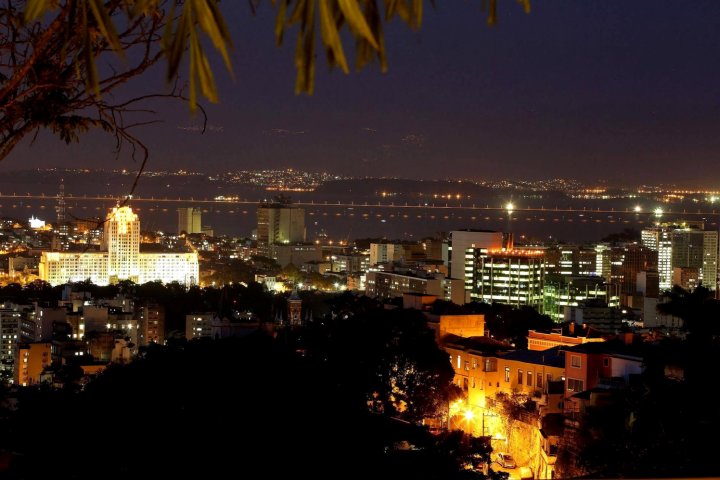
506, 460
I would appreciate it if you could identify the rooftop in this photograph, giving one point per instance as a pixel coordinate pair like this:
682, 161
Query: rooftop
616, 346
477, 344
552, 357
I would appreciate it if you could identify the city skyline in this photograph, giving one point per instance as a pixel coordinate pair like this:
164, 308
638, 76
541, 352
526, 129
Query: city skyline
499, 260
568, 86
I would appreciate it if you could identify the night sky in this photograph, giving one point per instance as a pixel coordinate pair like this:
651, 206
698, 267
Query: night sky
625, 91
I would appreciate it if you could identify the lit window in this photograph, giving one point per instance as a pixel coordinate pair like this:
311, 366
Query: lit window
507, 374
574, 385
575, 361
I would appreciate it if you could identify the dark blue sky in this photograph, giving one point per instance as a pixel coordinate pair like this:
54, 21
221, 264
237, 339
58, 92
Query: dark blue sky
627, 91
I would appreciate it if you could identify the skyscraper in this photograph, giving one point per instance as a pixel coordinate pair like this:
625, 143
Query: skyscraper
628, 261
458, 255
16, 327
659, 239
189, 220
122, 242
511, 276
119, 258
684, 245
279, 223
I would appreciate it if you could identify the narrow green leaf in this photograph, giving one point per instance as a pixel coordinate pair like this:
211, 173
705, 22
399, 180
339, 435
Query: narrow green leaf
166, 39
492, 13
214, 26
91, 76
179, 40
299, 64
280, 22
34, 9
403, 11
374, 16
203, 71
390, 9
356, 20
331, 37
144, 7
106, 25
298, 13
305, 50
417, 13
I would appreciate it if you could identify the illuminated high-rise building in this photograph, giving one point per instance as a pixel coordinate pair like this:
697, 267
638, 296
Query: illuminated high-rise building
684, 245
122, 242
279, 223
571, 260
629, 260
189, 220
659, 239
119, 258
512, 276
17, 327
386, 252
460, 247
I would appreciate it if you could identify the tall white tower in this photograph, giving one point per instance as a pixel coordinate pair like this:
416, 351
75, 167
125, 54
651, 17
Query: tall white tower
122, 242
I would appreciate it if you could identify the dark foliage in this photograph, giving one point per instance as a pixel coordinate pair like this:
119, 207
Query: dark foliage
658, 427
293, 406
626, 235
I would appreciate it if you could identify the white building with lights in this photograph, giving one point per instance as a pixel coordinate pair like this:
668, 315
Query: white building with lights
684, 245
120, 259
512, 276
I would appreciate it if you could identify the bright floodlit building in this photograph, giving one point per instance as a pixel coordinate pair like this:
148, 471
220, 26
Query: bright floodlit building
685, 245
119, 259
511, 276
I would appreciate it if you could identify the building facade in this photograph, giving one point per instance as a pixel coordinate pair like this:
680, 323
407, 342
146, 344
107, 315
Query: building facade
388, 285
121, 241
560, 291
199, 325
120, 259
386, 252
279, 223
32, 359
151, 324
513, 277
685, 245
189, 220
16, 327
458, 255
